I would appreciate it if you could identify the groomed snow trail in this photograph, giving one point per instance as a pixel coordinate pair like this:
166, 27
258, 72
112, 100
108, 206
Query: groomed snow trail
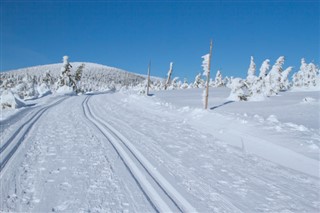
68, 165
211, 174
121, 152
9, 146
125, 148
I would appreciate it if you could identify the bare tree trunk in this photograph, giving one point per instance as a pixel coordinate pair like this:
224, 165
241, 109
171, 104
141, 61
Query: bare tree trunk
208, 79
148, 84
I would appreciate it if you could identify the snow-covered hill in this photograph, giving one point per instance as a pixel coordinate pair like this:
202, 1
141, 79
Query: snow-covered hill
91, 71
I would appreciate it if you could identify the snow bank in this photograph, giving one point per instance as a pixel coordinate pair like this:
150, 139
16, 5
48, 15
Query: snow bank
8, 100
65, 90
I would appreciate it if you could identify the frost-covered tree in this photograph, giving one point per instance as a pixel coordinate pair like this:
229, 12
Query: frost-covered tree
66, 76
78, 76
264, 69
198, 81
273, 82
307, 76
238, 89
26, 87
285, 84
218, 81
251, 78
310, 77
252, 67
297, 79
175, 84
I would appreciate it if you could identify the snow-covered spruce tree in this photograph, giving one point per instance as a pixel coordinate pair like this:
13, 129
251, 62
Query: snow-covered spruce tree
198, 81
307, 76
297, 80
46, 84
78, 77
258, 87
265, 66
66, 77
285, 84
251, 77
175, 84
310, 76
273, 81
26, 88
169, 76
218, 81
238, 89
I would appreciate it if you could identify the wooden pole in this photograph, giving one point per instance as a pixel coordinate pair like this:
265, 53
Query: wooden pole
148, 84
208, 78
169, 76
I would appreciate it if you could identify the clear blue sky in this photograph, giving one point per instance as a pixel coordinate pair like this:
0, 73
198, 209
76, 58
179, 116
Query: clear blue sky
128, 34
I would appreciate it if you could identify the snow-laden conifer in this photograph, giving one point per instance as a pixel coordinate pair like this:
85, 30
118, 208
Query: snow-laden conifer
198, 81
251, 78
264, 68
237, 86
252, 67
218, 81
285, 84
274, 77
307, 77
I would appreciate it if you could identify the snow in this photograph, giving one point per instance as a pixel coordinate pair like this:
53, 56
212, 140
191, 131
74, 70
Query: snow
124, 152
9, 100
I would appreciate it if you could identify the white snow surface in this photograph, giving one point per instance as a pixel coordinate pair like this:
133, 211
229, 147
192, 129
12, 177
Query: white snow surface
123, 152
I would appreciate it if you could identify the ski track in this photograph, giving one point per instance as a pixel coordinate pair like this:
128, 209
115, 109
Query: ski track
117, 140
8, 148
69, 168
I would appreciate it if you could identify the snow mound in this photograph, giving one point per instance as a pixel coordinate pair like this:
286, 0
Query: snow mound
8, 100
65, 90
273, 119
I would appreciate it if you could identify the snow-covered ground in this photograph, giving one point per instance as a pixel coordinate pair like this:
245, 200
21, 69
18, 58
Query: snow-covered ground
113, 152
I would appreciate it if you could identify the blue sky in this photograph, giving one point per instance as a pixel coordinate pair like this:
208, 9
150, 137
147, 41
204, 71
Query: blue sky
129, 34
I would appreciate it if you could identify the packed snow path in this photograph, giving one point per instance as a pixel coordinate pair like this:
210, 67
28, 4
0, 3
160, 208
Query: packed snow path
117, 140
119, 152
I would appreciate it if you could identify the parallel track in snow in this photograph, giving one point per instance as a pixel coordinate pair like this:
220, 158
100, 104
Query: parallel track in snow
11, 145
162, 195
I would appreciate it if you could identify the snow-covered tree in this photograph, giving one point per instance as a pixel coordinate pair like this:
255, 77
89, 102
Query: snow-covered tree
273, 82
198, 81
307, 76
285, 84
66, 77
238, 89
218, 81
310, 77
251, 78
78, 76
264, 69
297, 79
252, 67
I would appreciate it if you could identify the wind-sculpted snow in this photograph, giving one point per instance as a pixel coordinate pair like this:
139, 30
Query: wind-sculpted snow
123, 152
